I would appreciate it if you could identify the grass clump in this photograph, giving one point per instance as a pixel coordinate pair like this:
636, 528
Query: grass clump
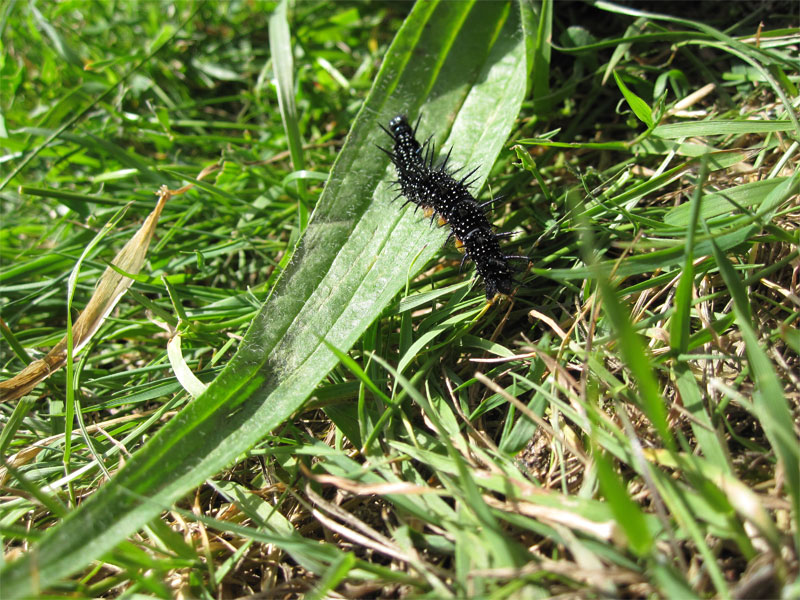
284, 386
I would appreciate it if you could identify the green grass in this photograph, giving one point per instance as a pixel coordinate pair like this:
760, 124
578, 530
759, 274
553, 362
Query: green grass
339, 413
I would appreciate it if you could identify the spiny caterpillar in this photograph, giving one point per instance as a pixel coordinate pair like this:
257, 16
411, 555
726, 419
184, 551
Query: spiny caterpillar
439, 194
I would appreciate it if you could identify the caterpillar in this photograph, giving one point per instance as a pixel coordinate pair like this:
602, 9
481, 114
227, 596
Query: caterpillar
439, 194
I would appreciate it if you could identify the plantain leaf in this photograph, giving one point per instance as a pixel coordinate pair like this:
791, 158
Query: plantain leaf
465, 64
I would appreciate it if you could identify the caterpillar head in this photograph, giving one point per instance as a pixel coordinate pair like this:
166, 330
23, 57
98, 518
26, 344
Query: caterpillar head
399, 126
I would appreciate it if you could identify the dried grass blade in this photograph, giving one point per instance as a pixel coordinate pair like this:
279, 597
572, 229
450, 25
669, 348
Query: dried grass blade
111, 287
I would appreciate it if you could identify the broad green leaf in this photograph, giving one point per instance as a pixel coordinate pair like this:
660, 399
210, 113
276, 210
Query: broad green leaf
468, 60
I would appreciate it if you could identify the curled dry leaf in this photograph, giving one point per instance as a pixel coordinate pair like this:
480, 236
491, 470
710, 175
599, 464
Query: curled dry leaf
109, 290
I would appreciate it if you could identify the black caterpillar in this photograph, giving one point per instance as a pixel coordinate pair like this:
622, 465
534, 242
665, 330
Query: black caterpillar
438, 193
